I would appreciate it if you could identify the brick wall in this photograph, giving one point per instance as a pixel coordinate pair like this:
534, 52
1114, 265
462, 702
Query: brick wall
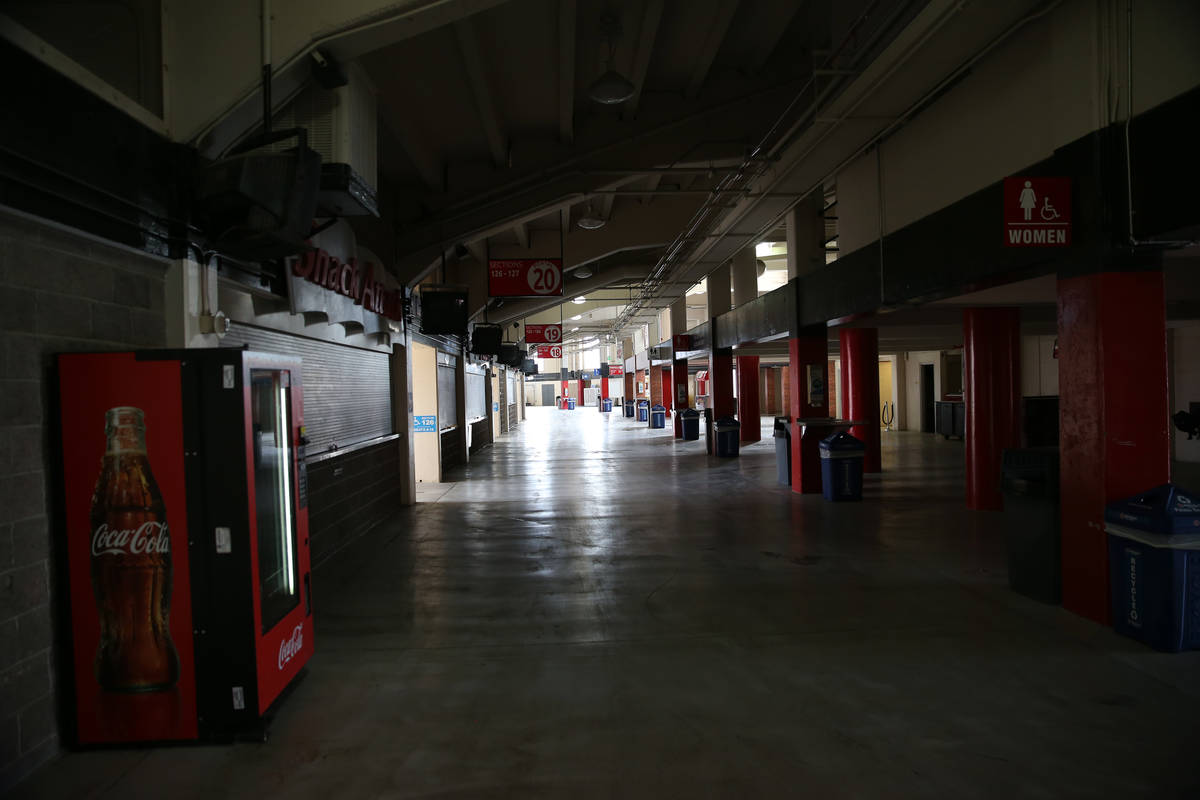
58, 292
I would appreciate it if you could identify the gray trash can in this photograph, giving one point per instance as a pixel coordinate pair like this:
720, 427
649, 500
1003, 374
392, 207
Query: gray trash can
783, 451
1029, 481
728, 431
690, 422
658, 417
628, 408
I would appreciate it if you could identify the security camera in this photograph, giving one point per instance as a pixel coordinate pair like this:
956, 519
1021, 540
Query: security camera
516, 324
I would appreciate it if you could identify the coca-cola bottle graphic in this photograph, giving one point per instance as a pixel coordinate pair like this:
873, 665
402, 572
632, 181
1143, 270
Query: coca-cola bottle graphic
131, 564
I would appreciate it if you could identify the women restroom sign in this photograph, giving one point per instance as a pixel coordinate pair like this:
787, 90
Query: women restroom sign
1037, 212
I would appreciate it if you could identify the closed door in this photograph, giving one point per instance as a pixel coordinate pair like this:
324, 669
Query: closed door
927, 423
547, 394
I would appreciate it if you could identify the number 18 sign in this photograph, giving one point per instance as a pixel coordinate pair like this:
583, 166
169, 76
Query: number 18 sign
525, 277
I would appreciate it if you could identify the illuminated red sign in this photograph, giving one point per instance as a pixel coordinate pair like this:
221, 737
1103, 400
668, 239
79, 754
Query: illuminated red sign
549, 351
543, 334
1037, 212
525, 277
615, 372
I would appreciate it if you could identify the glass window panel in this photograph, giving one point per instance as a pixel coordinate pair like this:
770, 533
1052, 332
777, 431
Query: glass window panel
274, 477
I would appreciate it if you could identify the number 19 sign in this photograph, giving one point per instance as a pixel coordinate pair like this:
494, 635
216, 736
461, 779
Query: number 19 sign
525, 277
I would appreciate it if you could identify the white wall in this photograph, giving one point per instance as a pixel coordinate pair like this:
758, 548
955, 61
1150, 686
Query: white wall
426, 446
1039, 367
912, 373
1185, 387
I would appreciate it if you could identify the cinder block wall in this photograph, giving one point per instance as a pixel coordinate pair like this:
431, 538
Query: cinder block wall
59, 292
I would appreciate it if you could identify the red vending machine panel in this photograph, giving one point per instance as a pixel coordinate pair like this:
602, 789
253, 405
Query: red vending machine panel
186, 537
127, 548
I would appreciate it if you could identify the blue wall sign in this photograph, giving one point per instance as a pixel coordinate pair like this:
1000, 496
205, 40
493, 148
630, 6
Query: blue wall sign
425, 424
495, 408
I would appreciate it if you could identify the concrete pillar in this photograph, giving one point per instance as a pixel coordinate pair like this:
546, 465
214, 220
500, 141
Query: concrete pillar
1114, 436
718, 291
749, 411
402, 411
460, 401
806, 236
992, 394
806, 395
860, 389
745, 276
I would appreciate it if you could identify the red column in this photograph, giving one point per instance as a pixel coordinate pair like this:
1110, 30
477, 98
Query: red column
720, 380
860, 389
666, 390
579, 403
992, 363
563, 397
1114, 435
807, 350
603, 388
749, 412
679, 375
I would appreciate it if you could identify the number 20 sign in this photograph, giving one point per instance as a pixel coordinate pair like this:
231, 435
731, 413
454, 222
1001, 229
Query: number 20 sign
525, 277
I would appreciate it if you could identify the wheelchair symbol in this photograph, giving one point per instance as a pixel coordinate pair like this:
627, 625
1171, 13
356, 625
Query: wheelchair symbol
1048, 212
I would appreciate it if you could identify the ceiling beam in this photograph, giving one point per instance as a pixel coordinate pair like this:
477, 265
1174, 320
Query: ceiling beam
489, 120
478, 251
641, 59
708, 53
652, 186
566, 71
522, 231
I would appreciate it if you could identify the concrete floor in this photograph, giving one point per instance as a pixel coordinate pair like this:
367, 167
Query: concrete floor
596, 610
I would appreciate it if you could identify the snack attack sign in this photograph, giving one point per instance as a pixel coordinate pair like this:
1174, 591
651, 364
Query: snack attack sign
344, 282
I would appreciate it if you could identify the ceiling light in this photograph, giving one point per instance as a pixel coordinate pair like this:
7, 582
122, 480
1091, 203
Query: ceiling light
584, 272
576, 318
590, 221
573, 329
580, 299
611, 88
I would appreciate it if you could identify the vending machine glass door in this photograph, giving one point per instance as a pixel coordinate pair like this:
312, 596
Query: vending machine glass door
274, 484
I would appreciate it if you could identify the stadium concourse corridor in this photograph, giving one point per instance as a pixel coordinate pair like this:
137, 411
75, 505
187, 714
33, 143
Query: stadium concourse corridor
594, 609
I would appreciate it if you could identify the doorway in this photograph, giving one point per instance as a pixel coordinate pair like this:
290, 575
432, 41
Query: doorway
547, 394
927, 398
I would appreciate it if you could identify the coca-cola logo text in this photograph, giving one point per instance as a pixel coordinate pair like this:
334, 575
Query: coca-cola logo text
149, 538
288, 648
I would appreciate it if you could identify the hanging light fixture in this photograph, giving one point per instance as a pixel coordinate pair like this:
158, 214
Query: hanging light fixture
589, 220
611, 87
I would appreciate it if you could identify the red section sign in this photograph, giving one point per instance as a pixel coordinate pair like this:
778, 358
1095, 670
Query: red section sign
1037, 212
549, 351
615, 372
525, 277
543, 334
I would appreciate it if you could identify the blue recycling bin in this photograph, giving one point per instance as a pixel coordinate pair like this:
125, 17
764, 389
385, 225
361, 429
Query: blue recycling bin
605, 404
690, 422
728, 432
658, 417
1153, 561
842, 467
643, 409
570, 404
628, 408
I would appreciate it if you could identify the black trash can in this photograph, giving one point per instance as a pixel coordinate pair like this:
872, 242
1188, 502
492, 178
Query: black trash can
841, 467
728, 432
708, 431
658, 417
783, 450
643, 411
1029, 481
628, 408
690, 422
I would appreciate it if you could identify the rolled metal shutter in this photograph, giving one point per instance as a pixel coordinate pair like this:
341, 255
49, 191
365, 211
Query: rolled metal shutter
347, 390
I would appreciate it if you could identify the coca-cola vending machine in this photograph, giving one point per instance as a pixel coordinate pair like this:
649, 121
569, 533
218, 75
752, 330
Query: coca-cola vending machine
186, 540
